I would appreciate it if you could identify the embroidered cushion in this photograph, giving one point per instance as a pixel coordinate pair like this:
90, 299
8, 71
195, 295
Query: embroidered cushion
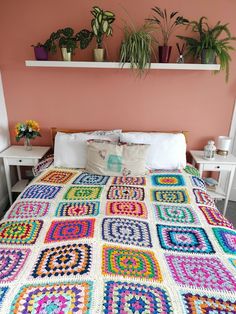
113, 159
167, 150
71, 149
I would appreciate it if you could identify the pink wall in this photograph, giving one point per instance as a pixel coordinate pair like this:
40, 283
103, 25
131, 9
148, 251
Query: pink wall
196, 101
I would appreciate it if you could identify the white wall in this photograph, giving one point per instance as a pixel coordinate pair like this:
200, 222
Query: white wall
4, 143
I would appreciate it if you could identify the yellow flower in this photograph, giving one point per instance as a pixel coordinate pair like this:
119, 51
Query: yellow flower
33, 125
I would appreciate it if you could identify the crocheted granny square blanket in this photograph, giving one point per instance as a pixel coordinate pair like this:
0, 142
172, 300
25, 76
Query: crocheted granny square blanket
75, 242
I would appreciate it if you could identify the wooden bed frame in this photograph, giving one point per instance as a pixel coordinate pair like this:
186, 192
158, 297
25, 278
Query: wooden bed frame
55, 130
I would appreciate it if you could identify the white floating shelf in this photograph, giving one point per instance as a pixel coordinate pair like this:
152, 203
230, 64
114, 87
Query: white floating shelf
117, 65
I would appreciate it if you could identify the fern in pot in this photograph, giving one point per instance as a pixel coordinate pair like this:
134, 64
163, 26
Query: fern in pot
101, 27
136, 47
210, 43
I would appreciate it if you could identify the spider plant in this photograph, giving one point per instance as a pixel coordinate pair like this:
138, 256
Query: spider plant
166, 23
211, 42
136, 47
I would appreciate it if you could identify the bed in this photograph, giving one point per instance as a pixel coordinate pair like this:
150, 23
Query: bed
75, 242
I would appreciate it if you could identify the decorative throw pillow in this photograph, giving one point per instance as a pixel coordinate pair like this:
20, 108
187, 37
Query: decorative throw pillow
116, 159
70, 150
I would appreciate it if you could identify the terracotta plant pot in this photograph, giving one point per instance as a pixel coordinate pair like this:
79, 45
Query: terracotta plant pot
164, 53
41, 53
99, 54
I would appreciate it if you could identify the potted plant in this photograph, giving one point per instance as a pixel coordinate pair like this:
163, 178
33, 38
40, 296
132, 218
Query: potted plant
209, 43
136, 47
167, 24
40, 51
101, 26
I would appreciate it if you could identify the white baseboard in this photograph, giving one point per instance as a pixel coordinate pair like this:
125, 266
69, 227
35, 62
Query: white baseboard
4, 202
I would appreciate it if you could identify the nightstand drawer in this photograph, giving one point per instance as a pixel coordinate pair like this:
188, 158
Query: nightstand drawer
21, 161
216, 167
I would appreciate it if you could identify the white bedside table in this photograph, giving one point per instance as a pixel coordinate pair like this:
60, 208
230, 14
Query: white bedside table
18, 156
220, 163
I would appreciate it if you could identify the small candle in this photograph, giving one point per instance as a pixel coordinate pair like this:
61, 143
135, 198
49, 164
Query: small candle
223, 143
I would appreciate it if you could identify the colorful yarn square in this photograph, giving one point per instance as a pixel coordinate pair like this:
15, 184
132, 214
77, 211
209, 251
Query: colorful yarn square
71, 259
119, 192
192, 170
28, 209
41, 191
227, 239
70, 230
82, 208
11, 263
91, 179
203, 304
215, 218
184, 239
130, 263
127, 297
202, 197
126, 231
129, 180
178, 196
125, 208
20, 232
176, 214
3, 292
57, 176
233, 261
198, 182
63, 298
165, 180
83, 193
201, 272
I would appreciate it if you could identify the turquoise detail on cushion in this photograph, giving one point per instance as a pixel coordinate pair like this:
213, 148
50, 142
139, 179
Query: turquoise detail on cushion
114, 163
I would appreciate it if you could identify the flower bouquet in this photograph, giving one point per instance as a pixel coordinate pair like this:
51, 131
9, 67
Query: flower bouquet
27, 130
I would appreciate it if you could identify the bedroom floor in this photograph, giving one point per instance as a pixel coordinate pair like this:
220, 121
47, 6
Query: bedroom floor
231, 211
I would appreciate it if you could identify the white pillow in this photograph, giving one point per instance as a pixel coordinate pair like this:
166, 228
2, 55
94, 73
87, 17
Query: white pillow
70, 150
166, 151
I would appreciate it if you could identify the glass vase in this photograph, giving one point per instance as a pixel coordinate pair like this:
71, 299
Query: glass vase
27, 144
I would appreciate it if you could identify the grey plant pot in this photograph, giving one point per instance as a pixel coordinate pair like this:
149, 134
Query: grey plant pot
208, 56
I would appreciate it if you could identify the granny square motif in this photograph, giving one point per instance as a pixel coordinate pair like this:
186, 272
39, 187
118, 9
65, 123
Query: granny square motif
129, 181
91, 179
57, 176
28, 209
201, 272
126, 208
164, 180
192, 170
3, 291
41, 191
63, 298
82, 208
72, 259
233, 261
130, 263
126, 231
70, 230
20, 232
227, 239
184, 239
204, 303
201, 197
179, 196
175, 213
11, 262
198, 182
126, 297
83, 193
215, 218
119, 192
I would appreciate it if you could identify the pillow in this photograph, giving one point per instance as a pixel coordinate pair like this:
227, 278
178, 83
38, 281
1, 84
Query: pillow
70, 150
167, 150
113, 159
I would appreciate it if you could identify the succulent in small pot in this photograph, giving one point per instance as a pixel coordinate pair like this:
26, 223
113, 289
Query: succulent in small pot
40, 52
136, 47
166, 24
101, 26
209, 44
